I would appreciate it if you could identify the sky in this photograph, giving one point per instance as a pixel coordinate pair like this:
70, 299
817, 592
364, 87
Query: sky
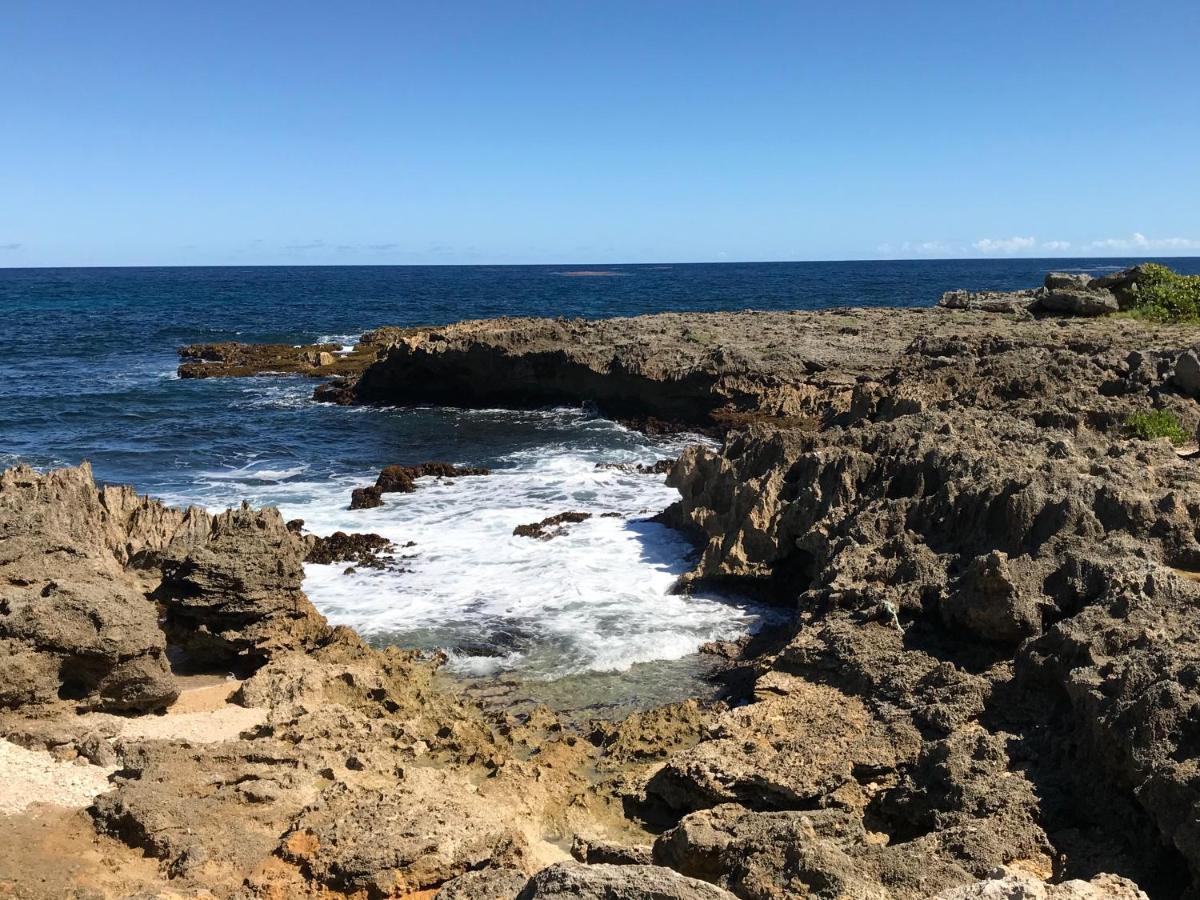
573, 132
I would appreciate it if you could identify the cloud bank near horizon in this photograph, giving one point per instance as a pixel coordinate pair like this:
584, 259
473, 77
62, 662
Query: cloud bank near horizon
1021, 245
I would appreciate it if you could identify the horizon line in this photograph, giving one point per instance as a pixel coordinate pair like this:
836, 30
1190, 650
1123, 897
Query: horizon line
594, 265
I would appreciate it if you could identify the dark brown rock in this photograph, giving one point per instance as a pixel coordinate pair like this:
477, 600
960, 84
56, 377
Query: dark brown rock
366, 497
364, 549
550, 527
402, 480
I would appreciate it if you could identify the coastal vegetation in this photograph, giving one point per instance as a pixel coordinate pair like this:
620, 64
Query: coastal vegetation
1163, 295
1154, 424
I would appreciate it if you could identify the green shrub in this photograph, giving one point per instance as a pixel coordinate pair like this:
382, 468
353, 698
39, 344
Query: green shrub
1157, 423
1166, 296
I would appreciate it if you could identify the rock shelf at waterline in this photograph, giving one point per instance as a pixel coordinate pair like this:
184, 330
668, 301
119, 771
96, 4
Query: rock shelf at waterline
988, 688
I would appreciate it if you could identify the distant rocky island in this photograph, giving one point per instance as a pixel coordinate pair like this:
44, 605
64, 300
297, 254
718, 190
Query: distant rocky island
982, 515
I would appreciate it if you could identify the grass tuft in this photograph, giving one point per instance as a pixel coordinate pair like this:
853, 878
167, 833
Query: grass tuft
1155, 424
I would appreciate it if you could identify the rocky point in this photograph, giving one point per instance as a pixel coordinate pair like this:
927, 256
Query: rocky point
988, 688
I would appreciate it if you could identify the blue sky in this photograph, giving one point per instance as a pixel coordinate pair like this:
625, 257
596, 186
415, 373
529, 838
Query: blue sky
511, 132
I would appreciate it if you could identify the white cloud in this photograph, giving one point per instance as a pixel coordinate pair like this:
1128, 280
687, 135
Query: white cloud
1004, 245
918, 248
1138, 241
1055, 246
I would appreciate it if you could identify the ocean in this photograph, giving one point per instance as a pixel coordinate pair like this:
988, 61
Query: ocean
89, 358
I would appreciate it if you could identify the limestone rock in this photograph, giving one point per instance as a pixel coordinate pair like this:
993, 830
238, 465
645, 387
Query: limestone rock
402, 839
1013, 884
1067, 281
1079, 302
603, 882
73, 622
235, 598
1186, 374
989, 301
483, 884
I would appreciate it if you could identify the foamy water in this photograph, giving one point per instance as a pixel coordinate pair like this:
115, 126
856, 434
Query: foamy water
596, 598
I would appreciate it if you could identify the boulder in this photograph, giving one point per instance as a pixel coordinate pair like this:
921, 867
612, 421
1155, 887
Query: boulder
364, 549
1078, 302
368, 497
604, 882
1067, 281
1186, 374
551, 526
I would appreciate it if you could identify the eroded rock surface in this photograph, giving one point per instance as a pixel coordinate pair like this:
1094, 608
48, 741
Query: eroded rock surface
989, 688
73, 623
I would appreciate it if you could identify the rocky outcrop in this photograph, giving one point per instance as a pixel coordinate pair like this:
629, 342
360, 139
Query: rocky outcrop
1069, 293
233, 597
670, 370
988, 688
1003, 581
402, 480
370, 550
73, 623
234, 359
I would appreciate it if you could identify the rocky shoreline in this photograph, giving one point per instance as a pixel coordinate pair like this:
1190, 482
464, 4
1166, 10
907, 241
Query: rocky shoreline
990, 688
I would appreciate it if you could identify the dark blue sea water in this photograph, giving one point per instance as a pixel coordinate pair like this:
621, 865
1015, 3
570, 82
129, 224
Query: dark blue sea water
88, 361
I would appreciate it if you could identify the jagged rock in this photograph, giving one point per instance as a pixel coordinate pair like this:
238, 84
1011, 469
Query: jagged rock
989, 603
658, 467
602, 882
236, 597
400, 479
364, 549
339, 391
812, 853
73, 622
236, 359
785, 751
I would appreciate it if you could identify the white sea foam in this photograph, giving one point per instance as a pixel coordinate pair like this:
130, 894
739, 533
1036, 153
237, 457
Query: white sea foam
595, 598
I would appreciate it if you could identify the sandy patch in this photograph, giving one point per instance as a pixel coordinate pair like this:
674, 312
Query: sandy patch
201, 714
34, 776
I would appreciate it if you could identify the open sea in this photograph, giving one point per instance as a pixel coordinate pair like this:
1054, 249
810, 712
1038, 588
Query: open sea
88, 359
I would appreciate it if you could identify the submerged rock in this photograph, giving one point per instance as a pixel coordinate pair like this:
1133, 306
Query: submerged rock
402, 480
365, 549
550, 526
